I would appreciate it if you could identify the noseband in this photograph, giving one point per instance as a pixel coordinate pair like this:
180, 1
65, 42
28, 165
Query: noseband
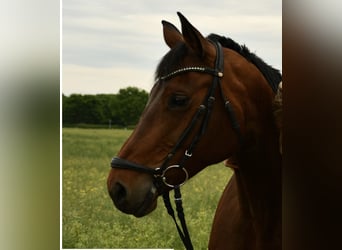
205, 108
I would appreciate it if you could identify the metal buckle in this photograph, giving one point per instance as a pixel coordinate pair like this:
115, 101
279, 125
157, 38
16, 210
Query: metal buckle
187, 153
172, 185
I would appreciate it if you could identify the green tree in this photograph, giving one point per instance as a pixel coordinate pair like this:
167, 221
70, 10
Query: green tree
129, 104
122, 109
104, 101
71, 106
82, 109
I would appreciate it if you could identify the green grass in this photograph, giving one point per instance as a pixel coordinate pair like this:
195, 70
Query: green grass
89, 218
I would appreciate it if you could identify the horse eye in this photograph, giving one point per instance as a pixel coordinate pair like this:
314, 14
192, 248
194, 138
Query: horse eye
178, 101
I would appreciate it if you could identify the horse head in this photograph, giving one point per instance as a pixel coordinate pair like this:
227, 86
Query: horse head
184, 126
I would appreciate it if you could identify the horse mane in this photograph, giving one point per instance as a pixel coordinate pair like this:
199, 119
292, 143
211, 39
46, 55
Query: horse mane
272, 75
173, 59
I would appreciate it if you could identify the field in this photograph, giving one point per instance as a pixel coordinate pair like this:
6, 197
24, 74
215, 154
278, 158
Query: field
89, 219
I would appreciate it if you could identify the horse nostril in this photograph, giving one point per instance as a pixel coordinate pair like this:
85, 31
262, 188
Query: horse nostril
118, 194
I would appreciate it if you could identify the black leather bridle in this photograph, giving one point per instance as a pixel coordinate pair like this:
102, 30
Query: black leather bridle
205, 109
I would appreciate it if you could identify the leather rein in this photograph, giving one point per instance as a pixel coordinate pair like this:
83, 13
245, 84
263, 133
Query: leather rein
205, 109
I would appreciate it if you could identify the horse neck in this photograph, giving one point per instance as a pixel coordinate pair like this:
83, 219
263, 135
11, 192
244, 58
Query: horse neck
259, 158
259, 175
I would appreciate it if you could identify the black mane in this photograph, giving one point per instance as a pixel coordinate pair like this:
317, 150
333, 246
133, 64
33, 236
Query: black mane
173, 60
272, 75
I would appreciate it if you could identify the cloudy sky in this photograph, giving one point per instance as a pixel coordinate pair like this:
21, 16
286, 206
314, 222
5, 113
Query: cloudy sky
110, 44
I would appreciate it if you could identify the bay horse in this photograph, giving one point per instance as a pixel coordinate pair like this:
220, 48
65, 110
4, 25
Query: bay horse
212, 100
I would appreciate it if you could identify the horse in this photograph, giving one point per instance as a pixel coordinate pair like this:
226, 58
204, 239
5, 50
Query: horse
212, 100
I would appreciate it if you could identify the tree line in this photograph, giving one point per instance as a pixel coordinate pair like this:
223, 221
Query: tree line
122, 109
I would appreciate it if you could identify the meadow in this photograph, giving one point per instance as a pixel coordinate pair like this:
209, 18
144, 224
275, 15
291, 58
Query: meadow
89, 218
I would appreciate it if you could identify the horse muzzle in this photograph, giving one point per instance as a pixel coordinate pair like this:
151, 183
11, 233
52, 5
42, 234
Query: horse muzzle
138, 200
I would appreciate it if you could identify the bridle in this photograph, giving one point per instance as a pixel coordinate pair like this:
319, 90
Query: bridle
205, 109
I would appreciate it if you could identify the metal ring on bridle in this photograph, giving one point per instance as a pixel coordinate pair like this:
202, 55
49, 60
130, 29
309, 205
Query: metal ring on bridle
173, 185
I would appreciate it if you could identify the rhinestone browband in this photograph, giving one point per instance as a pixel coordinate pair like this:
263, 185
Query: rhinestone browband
192, 69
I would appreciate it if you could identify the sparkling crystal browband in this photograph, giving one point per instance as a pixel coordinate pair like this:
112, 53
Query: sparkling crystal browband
192, 69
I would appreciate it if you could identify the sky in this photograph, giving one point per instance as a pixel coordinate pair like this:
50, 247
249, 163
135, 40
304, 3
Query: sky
108, 45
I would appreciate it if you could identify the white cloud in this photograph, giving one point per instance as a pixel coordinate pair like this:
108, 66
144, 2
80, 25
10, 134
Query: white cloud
125, 37
90, 80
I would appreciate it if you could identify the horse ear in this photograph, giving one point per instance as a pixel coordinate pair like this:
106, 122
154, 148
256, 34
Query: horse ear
193, 38
172, 36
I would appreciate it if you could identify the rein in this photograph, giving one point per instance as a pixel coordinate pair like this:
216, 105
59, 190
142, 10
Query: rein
159, 174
